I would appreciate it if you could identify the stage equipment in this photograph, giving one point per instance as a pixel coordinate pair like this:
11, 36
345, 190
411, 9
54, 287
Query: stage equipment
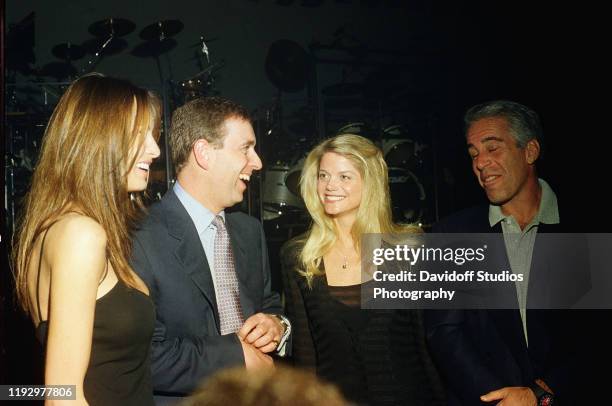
277, 197
115, 46
408, 197
111, 27
161, 30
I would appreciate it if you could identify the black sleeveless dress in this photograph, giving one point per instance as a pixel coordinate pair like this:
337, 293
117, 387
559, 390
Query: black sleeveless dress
119, 370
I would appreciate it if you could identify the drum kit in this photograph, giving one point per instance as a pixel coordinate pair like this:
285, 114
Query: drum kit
108, 38
281, 194
406, 163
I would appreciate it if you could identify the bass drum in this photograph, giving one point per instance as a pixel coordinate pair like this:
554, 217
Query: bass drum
292, 180
400, 150
277, 198
408, 197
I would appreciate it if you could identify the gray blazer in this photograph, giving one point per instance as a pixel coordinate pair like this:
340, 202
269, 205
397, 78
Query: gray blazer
168, 256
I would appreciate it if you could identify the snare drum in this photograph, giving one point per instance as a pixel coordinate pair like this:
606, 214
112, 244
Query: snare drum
402, 151
399, 153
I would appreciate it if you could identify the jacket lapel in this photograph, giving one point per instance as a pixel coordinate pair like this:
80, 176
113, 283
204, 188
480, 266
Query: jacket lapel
188, 251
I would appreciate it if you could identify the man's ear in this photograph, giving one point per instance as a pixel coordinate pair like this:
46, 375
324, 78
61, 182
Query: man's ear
532, 151
202, 151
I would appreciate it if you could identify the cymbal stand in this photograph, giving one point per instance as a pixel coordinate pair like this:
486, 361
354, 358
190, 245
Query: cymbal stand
166, 106
91, 64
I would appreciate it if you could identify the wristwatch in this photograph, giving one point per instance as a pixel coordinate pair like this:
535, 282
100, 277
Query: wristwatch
286, 331
543, 397
283, 322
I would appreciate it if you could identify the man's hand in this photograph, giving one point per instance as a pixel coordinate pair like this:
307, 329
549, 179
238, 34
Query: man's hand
263, 331
255, 359
511, 396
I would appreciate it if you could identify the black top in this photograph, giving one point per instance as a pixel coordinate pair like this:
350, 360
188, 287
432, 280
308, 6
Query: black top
119, 370
376, 357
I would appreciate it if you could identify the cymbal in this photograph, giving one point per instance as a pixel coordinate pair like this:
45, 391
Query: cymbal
153, 48
68, 51
343, 89
161, 29
114, 46
117, 27
58, 70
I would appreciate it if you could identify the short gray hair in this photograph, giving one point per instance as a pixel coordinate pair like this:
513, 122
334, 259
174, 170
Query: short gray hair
524, 123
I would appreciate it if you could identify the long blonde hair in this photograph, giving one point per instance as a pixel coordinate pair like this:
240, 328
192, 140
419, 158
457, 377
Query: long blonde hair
373, 214
83, 163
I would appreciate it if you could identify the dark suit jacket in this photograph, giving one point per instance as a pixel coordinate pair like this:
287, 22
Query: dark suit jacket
483, 350
168, 256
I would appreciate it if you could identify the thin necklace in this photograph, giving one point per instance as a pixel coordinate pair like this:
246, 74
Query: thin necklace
345, 262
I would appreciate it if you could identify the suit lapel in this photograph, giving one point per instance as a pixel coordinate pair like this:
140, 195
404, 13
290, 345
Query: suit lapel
239, 249
508, 322
188, 251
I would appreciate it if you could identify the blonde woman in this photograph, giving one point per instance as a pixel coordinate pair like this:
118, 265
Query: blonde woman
91, 311
376, 357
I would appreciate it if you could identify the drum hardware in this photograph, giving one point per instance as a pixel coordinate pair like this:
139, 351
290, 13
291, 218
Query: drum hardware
157, 39
401, 150
199, 43
407, 195
277, 198
203, 48
111, 27
94, 46
161, 30
201, 83
108, 31
67, 52
292, 180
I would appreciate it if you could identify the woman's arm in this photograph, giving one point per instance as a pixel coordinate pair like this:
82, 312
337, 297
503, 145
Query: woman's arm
77, 258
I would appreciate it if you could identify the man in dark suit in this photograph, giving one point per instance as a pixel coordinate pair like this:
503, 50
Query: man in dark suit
517, 357
208, 270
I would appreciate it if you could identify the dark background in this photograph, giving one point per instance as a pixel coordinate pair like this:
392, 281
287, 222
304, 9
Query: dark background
418, 64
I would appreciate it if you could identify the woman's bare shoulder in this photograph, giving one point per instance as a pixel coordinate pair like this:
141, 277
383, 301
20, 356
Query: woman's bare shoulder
76, 234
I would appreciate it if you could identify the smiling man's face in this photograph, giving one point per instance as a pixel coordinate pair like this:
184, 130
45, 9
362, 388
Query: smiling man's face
233, 164
500, 165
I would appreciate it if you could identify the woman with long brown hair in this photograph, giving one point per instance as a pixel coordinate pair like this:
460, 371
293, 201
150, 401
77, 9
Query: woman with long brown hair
72, 247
